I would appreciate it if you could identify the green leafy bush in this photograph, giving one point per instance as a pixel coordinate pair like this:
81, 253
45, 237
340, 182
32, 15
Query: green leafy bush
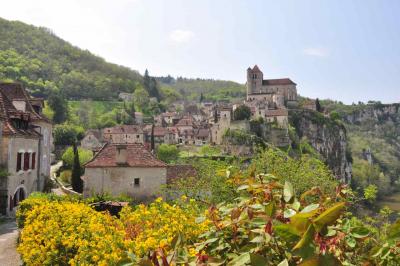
84, 156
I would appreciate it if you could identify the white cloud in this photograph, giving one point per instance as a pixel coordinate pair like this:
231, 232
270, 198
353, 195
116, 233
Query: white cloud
316, 51
181, 36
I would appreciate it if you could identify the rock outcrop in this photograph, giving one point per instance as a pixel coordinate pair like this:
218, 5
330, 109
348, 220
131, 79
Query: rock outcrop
326, 136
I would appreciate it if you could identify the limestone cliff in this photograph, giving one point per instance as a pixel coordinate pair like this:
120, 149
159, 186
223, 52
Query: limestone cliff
326, 136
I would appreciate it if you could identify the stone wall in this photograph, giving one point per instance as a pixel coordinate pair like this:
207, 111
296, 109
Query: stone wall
121, 181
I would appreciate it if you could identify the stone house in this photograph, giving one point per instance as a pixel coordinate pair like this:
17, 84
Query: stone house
125, 169
124, 134
26, 144
161, 135
279, 116
202, 136
93, 140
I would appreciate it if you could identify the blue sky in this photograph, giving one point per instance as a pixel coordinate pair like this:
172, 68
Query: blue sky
343, 50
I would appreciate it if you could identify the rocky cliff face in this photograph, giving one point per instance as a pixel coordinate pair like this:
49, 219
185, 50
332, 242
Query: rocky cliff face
328, 137
379, 113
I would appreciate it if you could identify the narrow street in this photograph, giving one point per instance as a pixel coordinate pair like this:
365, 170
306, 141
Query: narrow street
8, 244
53, 170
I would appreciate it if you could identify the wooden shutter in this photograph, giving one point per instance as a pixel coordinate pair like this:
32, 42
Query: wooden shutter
26, 161
33, 165
19, 161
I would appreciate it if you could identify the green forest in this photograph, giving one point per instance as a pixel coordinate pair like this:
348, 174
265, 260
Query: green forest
44, 63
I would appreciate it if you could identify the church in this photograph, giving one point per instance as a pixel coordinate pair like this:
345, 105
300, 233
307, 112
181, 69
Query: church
282, 92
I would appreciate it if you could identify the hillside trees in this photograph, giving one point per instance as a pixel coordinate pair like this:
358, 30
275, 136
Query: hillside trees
43, 61
59, 105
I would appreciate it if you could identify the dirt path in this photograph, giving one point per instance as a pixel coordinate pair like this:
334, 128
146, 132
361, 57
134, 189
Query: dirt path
8, 244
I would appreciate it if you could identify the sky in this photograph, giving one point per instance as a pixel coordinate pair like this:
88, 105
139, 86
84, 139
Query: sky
343, 50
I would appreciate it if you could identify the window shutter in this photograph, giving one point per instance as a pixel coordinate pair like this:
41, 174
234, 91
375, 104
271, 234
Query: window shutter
33, 160
26, 161
19, 161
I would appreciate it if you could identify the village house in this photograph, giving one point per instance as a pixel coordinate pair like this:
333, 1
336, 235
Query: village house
278, 116
124, 134
202, 136
125, 169
93, 140
162, 135
26, 144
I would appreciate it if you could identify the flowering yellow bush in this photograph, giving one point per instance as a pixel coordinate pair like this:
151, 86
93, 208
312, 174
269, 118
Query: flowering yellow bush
65, 233
153, 227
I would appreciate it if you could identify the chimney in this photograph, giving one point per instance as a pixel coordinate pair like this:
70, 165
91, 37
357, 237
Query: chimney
121, 155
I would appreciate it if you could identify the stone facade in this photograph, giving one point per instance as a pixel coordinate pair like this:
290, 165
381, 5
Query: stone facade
26, 145
127, 169
260, 89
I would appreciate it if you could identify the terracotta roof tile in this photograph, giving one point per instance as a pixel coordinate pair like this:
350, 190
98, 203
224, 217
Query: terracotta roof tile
275, 82
137, 156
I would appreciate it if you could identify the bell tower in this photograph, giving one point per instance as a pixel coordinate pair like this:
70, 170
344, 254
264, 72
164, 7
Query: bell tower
254, 80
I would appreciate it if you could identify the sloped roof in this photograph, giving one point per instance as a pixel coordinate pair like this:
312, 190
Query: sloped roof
255, 68
123, 129
9, 112
15, 92
276, 112
203, 133
137, 156
274, 82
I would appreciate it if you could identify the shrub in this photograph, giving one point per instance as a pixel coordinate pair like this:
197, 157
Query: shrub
66, 134
84, 156
37, 199
304, 173
65, 233
242, 112
167, 153
154, 227
65, 176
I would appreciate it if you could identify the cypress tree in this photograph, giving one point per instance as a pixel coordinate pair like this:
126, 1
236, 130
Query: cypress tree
152, 139
318, 106
76, 181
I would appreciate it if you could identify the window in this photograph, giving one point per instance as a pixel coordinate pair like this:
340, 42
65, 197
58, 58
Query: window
33, 165
19, 161
136, 182
26, 160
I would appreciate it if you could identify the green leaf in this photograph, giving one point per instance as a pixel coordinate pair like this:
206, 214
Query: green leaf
258, 239
307, 237
240, 260
350, 241
211, 240
360, 232
257, 206
284, 263
296, 205
288, 213
270, 209
288, 191
310, 208
329, 216
257, 260
243, 187
287, 232
301, 221
394, 230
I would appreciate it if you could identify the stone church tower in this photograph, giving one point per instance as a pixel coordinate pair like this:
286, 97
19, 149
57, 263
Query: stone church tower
254, 80
262, 89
